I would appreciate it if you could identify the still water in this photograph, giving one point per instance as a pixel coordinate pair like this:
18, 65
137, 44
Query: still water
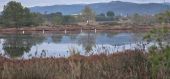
63, 45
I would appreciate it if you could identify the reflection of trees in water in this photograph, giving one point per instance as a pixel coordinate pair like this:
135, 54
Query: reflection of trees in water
56, 38
88, 41
130, 37
73, 37
17, 45
137, 36
14, 51
36, 39
110, 34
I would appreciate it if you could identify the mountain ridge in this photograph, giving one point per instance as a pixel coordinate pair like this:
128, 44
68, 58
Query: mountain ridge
123, 8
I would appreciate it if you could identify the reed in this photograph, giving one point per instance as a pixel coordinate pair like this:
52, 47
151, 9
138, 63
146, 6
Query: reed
122, 65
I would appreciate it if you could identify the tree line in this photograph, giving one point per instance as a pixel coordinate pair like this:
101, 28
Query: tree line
15, 15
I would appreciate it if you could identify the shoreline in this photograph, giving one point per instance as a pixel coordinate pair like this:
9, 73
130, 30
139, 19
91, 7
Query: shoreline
76, 29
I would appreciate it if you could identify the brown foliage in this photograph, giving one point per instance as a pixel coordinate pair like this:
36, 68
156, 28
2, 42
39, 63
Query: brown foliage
125, 65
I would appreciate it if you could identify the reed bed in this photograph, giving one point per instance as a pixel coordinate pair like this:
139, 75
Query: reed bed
123, 65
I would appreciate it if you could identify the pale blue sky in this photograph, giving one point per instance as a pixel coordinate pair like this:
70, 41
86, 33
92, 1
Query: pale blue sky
30, 3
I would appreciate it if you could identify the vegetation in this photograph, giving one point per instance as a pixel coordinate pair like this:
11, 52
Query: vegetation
130, 64
138, 19
58, 18
124, 65
159, 18
15, 15
109, 16
88, 14
163, 17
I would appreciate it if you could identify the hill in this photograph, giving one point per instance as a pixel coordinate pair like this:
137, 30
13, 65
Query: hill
118, 7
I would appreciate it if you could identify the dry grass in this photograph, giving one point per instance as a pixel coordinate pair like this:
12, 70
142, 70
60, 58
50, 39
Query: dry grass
125, 65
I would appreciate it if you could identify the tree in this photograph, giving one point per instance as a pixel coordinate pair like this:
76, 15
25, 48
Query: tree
101, 15
36, 19
67, 19
142, 19
88, 14
163, 17
110, 14
54, 18
14, 14
137, 19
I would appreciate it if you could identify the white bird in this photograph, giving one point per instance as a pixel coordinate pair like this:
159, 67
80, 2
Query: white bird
65, 31
23, 32
81, 30
95, 30
43, 31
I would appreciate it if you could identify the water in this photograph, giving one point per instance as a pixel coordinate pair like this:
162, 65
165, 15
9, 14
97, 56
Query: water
61, 45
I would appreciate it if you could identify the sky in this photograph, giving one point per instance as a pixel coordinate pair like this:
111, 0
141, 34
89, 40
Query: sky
31, 3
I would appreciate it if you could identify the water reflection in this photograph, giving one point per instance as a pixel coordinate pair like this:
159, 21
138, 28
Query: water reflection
88, 41
19, 45
56, 38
